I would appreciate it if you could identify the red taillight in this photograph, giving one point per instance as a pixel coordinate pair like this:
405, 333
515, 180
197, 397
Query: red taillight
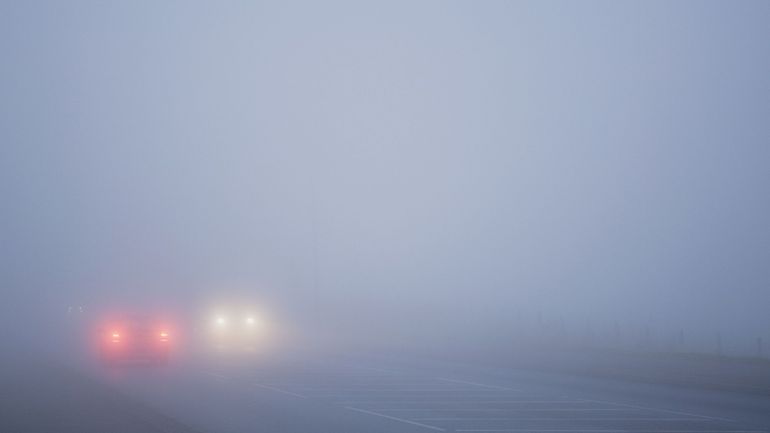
115, 337
164, 336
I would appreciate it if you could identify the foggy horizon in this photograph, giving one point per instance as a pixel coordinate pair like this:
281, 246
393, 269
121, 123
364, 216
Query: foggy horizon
462, 166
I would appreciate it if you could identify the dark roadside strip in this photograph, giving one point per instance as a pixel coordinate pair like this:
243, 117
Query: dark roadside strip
686, 370
39, 396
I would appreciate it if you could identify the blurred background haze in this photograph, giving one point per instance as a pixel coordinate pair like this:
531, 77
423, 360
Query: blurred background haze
395, 171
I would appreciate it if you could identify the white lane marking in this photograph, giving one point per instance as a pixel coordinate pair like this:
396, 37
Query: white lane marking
381, 415
412, 395
564, 419
217, 375
367, 390
464, 401
674, 412
283, 391
334, 386
593, 430
381, 370
465, 382
375, 388
500, 410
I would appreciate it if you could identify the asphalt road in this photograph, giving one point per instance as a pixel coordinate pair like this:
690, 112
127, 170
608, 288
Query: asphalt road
349, 394
38, 395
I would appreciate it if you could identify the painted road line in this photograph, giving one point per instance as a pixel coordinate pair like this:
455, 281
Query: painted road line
593, 430
395, 389
501, 410
411, 395
282, 391
406, 421
333, 385
565, 419
490, 393
568, 409
459, 391
465, 401
674, 412
380, 370
465, 382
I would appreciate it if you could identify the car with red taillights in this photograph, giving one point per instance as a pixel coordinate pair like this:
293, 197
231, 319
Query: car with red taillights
135, 338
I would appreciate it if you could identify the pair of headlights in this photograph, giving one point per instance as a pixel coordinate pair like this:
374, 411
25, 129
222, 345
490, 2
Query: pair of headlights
222, 321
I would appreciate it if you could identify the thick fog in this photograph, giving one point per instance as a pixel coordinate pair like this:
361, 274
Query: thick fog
397, 172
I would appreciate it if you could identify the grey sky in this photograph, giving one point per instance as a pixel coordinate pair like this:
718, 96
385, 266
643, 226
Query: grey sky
581, 159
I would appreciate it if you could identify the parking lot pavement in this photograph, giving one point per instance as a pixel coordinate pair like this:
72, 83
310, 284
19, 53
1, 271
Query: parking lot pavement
37, 396
415, 400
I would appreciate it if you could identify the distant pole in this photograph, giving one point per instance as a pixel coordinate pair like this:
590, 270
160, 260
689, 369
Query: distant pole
760, 352
316, 294
719, 344
681, 339
647, 342
314, 227
538, 336
588, 333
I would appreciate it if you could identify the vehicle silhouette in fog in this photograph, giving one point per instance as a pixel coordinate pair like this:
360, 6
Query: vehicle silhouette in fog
235, 330
135, 338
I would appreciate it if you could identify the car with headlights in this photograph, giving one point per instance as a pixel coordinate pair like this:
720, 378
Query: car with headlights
235, 330
135, 338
